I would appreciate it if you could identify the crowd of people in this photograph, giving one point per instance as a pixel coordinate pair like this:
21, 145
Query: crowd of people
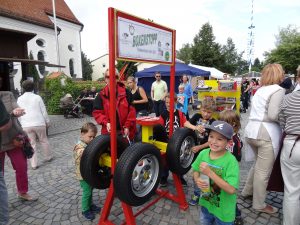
274, 116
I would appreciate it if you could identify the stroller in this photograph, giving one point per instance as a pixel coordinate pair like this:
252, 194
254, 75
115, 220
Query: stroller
71, 108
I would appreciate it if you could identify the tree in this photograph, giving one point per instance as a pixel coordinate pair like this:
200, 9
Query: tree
257, 65
242, 65
32, 72
185, 53
130, 70
205, 50
230, 57
87, 67
287, 51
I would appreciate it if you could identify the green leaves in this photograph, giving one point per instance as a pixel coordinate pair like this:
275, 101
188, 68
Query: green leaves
87, 67
287, 51
54, 91
205, 51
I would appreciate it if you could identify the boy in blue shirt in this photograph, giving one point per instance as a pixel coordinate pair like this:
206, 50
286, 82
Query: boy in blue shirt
218, 206
182, 101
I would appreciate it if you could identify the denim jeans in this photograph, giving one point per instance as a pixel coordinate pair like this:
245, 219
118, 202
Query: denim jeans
197, 190
3, 200
207, 218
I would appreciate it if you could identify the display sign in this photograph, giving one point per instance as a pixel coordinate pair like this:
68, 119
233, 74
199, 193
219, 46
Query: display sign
142, 40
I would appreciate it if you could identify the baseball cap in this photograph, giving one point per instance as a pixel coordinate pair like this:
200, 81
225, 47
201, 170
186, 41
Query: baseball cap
68, 95
222, 128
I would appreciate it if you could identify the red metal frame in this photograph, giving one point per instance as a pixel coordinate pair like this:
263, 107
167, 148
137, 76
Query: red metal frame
127, 209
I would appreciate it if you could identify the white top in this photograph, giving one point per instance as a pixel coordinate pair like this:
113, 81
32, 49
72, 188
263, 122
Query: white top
159, 90
259, 107
35, 110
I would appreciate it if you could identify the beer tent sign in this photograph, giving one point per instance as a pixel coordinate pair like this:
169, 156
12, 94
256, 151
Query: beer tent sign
144, 41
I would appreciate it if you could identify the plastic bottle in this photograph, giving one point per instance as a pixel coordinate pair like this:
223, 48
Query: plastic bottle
205, 178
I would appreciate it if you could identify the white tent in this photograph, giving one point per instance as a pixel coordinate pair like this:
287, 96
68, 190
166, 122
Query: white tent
214, 73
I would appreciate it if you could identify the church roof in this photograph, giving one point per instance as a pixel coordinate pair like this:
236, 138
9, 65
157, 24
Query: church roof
37, 11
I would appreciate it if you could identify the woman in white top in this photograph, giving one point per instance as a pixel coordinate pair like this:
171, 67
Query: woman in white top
263, 134
35, 121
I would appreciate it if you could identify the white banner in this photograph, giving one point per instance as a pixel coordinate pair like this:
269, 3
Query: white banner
143, 42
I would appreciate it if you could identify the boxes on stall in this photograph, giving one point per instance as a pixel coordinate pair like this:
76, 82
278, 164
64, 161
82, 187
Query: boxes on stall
225, 93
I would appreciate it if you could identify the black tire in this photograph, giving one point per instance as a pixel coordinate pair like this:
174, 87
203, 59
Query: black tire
95, 175
179, 155
159, 133
137, 173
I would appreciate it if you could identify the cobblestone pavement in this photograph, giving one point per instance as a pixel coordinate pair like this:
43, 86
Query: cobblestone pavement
59, 191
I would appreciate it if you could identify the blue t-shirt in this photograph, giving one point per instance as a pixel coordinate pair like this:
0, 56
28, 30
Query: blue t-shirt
182, 103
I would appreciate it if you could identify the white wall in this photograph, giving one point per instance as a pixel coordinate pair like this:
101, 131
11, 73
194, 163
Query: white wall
100, 65
70, 34
142, 66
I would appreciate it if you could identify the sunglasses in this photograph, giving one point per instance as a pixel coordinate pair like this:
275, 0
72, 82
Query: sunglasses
107, 77
157, 76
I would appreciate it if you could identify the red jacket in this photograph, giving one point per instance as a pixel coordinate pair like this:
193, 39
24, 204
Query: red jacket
125, 115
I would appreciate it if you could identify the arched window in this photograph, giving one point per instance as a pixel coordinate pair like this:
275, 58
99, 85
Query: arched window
71, 67
41, 57
40, 42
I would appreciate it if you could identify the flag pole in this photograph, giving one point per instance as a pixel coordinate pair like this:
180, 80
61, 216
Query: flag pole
56, 36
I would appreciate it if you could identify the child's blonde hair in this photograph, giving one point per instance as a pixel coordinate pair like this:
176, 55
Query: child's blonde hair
208, 104
231, 117
181, 86
89, 126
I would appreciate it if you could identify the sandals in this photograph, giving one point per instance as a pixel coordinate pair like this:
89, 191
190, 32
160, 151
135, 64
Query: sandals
27, 197
268, 209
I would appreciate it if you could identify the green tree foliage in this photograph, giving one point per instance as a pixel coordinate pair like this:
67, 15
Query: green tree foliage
242, 65
230, 57
185, 53
32, 72
54, 91
257, 65
205, 50
130, 70
87, 67
287, 51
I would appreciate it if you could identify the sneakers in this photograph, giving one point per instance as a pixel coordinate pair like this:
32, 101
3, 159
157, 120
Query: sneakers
95, 209
89, 215
163, 182
194, 200
183, 182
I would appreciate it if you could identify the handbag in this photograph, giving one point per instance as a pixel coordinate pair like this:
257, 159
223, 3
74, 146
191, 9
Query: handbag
276, 182
22, 141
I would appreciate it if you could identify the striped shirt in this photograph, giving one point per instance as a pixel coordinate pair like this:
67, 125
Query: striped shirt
289, 116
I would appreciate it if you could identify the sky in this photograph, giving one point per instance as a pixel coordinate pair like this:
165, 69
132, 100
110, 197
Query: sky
229, 18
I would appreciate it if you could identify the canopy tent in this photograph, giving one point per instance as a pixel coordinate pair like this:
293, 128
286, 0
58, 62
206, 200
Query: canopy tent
146, 76
215, 73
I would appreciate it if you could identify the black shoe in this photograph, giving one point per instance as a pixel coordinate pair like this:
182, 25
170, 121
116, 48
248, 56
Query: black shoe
238, 220
88, 215
95, 209
163, 182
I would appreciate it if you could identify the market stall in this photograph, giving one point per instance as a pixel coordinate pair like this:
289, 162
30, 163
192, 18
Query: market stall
226, 94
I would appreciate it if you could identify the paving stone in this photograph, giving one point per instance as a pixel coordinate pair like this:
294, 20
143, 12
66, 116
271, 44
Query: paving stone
60, 193
262, 220
249, 220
